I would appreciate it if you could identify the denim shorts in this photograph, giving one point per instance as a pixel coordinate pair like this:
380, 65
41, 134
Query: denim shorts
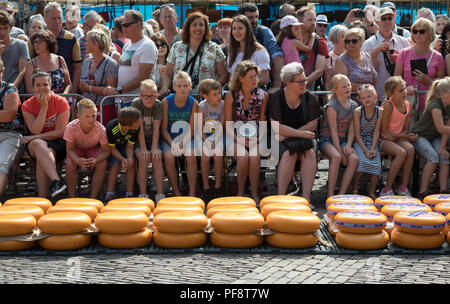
166, 147
123, 151
429, 150
148, 145
327, 140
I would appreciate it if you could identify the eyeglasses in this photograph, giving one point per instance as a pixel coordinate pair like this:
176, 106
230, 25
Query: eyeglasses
421, 32
38, 41
161, 45
303, 81
148, 96
126, 25
354, 41
321, 25
387, 18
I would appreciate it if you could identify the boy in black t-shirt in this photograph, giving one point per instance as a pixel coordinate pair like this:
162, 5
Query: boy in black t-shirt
122, 134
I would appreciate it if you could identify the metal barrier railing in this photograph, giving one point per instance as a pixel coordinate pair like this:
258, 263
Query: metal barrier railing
116, 100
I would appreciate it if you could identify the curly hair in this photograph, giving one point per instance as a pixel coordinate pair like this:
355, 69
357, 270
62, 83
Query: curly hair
49, 38
185, 35
241, 70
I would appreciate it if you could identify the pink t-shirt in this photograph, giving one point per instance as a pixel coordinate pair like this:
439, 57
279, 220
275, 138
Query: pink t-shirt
74, 134
434, 65
290, 54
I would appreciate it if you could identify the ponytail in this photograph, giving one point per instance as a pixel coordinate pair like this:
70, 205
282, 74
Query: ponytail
438, 86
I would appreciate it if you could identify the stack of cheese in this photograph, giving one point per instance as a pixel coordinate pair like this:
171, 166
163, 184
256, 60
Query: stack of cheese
123, 223
273, 203
231, 204
418, 229
390, 210
361, 230
444, 209
334, 208
435, 199
91, 207
382, 201
42, 203
179, 222
348, 198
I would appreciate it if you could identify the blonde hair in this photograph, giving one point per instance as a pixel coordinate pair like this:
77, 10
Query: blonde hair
182, 75
241, 70
84, 104
439, 86
430, 27
107, 32
148, 84
392, 83
356, 30
369, 87
334, 83
208, 85
98, 36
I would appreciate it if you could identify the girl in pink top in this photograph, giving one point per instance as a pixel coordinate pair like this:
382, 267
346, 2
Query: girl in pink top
396, 139
289, 40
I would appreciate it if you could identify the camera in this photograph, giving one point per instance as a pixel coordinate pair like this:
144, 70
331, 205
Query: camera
391, 51
359, 14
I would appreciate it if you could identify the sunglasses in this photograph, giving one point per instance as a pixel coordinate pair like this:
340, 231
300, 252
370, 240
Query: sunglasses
322, 25
126, 25
162, 45
167, 5
415, 32
387, 18
365, 86
354, 41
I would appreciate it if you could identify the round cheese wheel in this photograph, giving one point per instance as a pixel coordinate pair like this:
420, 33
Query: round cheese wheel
81, 201
231, 240
434, 199
359, 241
293, 221
356, 221
237, 222
127, 207
36, 201
335, 208
392, 209
182, 200
231, 200
230, 208
180, 222
126, 240
417, 241
64, 222
134, 200
179, 240
121, 221
291, 240
348, 198
267, 209
389, 230
420, 222
16, 245
442, 208
382, 201
35, 211
90, 210
283, 199
448, 237
171, 208
446, 230
66, 242
16, 224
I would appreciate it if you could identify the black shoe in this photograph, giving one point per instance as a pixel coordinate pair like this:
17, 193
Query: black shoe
208, 195
56, 187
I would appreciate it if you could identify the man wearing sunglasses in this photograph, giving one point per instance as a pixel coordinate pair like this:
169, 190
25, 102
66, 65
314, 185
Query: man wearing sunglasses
397, 30
384, 48
7, 7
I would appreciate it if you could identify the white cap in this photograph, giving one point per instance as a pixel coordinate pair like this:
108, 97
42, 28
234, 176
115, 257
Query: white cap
322, 19
289, 20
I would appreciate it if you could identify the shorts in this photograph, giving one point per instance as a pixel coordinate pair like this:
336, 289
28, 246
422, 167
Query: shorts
429, 150
93, 152
123, 151
147, 144
57, 145
283, 148
9, 148
166, 147
327, 140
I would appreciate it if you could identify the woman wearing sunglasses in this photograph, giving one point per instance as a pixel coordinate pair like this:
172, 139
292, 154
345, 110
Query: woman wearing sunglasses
423, 33
163, 51
354, 63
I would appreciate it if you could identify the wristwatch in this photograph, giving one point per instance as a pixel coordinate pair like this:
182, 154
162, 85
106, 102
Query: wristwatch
119, 88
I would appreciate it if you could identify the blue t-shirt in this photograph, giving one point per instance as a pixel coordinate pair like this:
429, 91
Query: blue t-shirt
175, 113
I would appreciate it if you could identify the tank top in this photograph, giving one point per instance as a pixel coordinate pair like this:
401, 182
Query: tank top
367, 126
175, 113
290, 54
398, 119
57, 76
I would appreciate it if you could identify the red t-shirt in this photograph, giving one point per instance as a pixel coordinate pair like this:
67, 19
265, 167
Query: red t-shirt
309, 63
56, 106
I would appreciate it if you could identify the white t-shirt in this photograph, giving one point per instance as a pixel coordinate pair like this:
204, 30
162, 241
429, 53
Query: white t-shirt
133, 54
260, 57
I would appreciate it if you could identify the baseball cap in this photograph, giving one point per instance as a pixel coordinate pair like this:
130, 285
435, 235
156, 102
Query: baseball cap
322, 19
385, 11
289, 20
389, 4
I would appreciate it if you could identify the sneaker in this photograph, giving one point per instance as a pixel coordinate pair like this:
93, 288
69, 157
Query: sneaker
143, 195
159, 197
422, 195
208, 195
383, 192
56, 187
403, 193
109, 197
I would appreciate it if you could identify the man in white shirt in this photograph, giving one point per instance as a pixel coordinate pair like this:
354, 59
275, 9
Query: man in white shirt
384, 48
138, 58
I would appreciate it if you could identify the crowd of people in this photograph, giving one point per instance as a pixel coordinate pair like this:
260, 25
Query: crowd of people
242, 72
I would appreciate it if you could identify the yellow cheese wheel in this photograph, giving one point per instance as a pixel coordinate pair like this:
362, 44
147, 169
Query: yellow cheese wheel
182, 200
16, 224
348, 198
267, 209
176, 207
359, 241
331, 231
446, 230
16, 245
357, 221
179, 240
417, 241
90, 210
293, 221
64, 222
121, 221
389, 230
448, 237
180, 222
66, 242
434, 199
231, 240
127, 207
35, 211
392, 209
420, 222
237, 222
230, 208
36, 201
134, 200
335, 208
283, 199
231, 200
291, 240
126, 240
442, 208
382, 201
81, 201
